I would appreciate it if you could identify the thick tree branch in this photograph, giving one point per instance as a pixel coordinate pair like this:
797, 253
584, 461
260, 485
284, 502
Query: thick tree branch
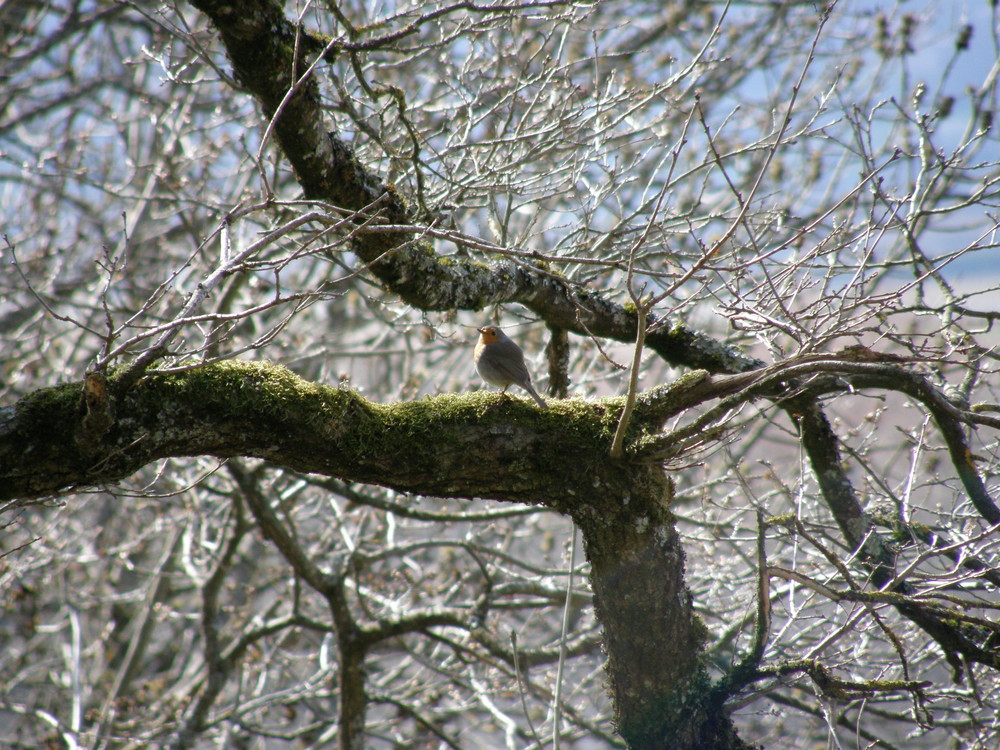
449, 446
472, 445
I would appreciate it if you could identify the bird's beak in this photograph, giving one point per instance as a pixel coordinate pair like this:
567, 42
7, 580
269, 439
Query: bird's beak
480, 330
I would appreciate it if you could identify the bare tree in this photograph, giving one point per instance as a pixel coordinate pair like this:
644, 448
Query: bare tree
252, 497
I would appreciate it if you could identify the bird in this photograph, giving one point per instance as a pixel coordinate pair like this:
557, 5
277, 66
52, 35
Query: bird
500, 362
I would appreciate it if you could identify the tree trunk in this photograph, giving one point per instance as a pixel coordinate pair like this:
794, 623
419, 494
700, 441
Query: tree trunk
653, 638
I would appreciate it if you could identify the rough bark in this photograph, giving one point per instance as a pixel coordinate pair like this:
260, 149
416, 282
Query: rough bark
653, 637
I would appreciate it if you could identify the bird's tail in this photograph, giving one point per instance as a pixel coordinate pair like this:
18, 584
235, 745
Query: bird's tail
534, 394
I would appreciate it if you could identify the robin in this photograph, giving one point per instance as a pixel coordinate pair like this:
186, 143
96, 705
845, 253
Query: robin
500, 362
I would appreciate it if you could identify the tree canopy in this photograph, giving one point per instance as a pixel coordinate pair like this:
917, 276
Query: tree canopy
254, 495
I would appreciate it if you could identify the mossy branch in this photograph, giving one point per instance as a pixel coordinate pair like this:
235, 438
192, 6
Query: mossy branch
449, 446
